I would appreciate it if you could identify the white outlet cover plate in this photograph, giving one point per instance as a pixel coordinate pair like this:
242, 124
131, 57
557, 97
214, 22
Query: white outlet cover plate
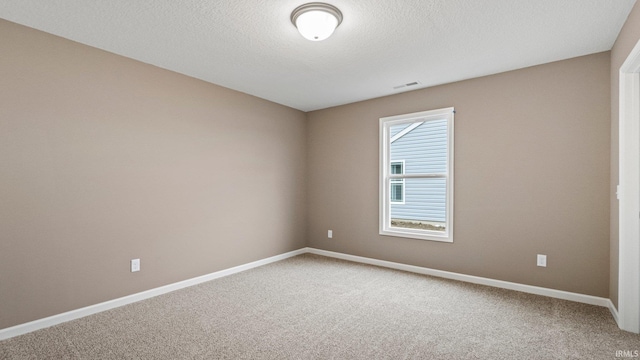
135, 265
542, 260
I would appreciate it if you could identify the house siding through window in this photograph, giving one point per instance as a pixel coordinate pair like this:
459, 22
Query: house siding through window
423, 150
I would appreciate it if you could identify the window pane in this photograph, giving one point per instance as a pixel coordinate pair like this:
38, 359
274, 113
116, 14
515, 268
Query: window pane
424, 205
423, 148
394, 130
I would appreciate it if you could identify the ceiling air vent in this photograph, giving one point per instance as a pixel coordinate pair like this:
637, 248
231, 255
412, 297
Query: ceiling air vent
406, 85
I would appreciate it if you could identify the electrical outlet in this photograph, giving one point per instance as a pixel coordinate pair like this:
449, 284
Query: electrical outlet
330, 234
135, 265
542, 260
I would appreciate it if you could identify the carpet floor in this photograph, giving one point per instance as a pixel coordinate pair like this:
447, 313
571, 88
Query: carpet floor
313, 307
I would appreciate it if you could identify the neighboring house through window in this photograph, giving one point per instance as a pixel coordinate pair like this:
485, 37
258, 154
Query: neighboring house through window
416, 175
397, 185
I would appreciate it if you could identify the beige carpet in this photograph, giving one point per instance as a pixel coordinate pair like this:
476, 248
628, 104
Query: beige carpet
312, 307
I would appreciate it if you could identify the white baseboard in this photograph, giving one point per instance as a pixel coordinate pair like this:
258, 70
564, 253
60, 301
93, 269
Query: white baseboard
614, 312
107, 305
559, 294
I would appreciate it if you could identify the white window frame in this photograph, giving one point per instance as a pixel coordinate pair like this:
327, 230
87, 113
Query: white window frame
385, 177
401, 182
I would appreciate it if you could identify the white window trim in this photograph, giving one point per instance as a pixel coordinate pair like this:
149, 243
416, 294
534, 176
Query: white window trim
399, 182
384, 179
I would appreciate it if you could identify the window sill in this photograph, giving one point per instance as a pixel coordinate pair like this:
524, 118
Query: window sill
418, 235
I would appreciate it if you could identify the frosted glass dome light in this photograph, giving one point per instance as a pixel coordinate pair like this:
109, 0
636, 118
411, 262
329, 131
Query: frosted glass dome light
316, 21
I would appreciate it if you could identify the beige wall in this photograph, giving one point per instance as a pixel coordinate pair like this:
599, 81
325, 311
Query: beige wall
532, 152
104, 159
627, 39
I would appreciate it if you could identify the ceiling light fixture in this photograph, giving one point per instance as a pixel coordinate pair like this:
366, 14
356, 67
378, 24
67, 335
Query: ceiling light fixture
316, 21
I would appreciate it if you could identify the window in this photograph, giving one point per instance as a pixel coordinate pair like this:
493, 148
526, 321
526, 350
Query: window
416, 175
397, 185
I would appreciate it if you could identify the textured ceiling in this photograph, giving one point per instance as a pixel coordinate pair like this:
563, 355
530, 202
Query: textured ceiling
251, 45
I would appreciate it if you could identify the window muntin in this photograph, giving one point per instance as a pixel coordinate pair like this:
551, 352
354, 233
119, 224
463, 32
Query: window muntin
424, 143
